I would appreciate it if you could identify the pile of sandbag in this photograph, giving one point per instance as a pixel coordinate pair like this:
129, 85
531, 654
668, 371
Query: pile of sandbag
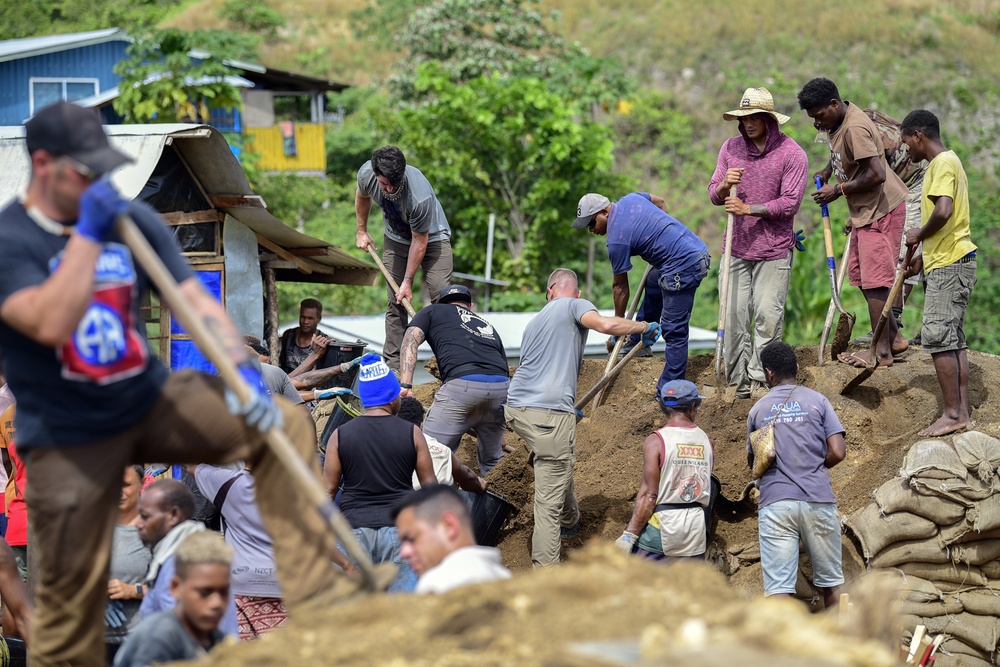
938, 525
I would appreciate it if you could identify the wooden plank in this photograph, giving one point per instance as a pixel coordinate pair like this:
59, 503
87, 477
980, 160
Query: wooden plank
301, 264
194, 217
271, 309
237, 201
280, 264
308, 252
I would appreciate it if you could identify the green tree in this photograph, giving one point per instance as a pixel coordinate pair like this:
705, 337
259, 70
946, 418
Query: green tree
45, 17
254, 16
508, 145
163, 83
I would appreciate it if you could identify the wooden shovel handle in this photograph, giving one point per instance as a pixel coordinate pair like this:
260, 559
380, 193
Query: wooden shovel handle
389, 279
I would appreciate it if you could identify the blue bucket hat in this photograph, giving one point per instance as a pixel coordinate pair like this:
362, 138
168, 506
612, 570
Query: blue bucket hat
679, 394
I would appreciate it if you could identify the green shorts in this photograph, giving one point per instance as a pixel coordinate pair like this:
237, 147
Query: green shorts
947, 291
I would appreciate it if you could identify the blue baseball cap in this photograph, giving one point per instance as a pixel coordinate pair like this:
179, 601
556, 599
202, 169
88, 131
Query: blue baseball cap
679, 394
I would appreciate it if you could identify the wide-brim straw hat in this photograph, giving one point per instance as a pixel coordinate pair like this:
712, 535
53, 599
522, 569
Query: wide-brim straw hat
756, 100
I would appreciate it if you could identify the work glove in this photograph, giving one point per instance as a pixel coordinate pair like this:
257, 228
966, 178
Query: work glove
260, 412
348, 365
652, 334
99, 206
114, 614
799, 238
579, 415
627, 541
332, 392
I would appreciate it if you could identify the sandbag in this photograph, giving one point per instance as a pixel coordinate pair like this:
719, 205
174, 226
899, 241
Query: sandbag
959, 659
958, 532
897, 496
875, 531
916, 589
979, 632
923, 551
973, 536
949, 605
986, 514
979, 453
933, 459
964, 575
981, 601
992, 570
976, 553
964, 492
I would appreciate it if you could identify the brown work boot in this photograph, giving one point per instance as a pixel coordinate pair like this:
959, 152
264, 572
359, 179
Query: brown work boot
758, 389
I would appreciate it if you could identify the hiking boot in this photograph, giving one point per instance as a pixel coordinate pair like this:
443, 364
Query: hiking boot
758, 389
627, 347
863, 341
571, 532
916, 340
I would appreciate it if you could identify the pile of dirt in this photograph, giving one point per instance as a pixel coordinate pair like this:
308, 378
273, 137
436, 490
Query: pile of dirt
600, 599
881, 418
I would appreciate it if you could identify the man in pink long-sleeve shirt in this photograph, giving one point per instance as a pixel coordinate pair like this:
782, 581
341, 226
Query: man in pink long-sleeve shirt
767, 171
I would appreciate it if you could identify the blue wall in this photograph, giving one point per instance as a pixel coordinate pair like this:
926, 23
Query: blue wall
96, 61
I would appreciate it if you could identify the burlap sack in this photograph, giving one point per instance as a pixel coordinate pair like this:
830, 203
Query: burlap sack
875, 531
954, 653
912, 551
933, 459
976, 553
964, 575
949, 535
897, 496
949, 605
992, 570
973, 536
979, 632
986, 514
981, 601
964, 492
979, 453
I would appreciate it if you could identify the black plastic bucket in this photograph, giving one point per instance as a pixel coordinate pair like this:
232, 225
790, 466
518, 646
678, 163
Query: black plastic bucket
337, 352
490, 512
18, 652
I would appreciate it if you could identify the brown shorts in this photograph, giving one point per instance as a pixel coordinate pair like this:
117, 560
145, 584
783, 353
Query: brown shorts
875, 249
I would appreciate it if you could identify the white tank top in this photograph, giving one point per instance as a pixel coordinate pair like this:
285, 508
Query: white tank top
686, 471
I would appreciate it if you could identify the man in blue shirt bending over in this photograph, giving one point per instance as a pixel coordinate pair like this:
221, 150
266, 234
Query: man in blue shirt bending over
638, 224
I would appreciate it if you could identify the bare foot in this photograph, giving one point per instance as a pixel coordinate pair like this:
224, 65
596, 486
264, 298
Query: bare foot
899, 345
860, 359
946, 425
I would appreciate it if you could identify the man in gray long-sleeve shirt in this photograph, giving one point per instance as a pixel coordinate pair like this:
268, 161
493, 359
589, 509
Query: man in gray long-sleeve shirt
767, 172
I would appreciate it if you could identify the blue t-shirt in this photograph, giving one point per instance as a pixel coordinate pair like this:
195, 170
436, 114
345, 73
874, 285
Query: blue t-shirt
636, 226
104, 378
800, 434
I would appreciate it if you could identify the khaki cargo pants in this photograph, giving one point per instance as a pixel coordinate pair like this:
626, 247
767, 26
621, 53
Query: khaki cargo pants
550, 436
73, 493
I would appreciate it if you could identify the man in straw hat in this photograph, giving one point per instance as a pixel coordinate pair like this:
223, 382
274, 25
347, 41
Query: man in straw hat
760, 178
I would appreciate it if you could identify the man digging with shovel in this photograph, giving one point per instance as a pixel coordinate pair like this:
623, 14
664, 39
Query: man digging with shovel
91, 399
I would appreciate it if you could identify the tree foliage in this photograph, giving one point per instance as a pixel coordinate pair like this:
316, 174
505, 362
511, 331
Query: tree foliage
163, 83
43, 17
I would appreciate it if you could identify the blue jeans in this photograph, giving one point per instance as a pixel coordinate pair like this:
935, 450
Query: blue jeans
782, 525
382, 544
670, 299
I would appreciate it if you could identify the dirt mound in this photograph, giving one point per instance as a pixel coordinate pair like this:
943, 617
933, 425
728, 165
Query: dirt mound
881, 418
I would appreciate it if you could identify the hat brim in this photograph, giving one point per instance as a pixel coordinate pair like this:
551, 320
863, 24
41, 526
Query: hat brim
102, 160
456, 298
583, 221
739, 113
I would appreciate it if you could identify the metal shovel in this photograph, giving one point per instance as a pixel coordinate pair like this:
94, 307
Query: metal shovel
845, 324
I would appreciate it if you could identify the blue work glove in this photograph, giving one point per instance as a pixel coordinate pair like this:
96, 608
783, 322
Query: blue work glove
652, 334
348, 365
114, 614
260, 412
579, 415
627, 542
799, 238
99, 206
332, 392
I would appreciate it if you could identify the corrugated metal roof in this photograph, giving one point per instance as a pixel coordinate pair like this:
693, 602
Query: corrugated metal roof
13, 49
215, 167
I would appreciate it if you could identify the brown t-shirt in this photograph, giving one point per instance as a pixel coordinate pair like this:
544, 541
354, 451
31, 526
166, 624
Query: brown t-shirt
856, 139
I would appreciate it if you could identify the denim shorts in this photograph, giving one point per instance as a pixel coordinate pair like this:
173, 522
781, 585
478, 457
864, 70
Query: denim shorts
382, 544
782, 524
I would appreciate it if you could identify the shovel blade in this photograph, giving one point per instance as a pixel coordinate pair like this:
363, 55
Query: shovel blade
865, 373
842, 336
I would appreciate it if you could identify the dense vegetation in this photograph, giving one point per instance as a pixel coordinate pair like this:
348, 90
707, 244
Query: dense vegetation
604, 94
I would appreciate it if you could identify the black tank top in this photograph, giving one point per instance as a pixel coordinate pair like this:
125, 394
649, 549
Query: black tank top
377, 457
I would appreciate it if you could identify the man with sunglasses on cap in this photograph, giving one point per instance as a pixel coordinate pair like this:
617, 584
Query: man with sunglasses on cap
672, 510
474, 371
638, 225
70, 328
760, 178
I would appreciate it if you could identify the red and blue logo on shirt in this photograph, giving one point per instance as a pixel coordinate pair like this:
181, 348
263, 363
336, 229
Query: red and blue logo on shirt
106, 347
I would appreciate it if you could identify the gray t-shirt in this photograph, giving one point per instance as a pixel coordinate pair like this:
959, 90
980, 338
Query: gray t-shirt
129, 563
417, 210
807, 420
279, 384
253, 571
161, 638
551, 357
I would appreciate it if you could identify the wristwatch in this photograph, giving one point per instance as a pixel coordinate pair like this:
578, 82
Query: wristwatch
138, 591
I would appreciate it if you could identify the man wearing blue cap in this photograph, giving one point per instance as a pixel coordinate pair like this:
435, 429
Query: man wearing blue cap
375, 455
671, 515
638, 225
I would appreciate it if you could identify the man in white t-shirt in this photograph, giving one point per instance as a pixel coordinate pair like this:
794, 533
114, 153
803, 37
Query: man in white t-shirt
448, 469
435, 534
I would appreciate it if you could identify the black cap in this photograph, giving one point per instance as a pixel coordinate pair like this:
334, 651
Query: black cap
66, 129
452, 293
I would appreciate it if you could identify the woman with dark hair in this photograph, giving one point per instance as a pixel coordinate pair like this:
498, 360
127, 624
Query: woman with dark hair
129, 563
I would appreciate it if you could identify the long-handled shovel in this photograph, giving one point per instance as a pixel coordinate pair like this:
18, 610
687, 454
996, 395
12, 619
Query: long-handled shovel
389, 279
720, 334
621, 339
828, 323
277, 440
897, 285
845, 323
609, 376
